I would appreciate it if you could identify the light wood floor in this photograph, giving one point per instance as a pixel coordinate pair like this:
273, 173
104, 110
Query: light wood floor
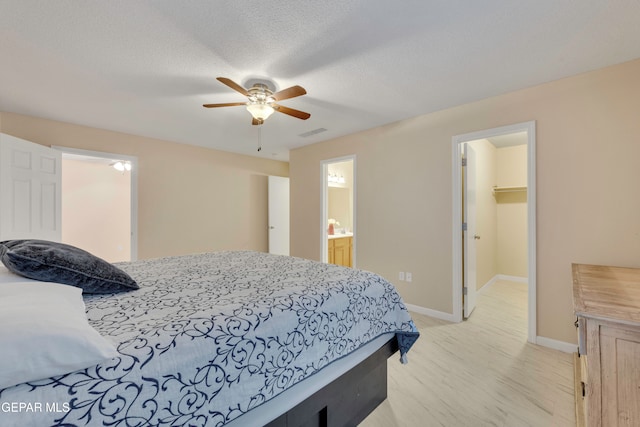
481, 372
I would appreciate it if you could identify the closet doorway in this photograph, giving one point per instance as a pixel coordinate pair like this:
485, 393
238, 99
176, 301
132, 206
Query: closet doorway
494, 211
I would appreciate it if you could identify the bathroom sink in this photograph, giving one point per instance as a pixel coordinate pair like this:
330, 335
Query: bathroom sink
338, 235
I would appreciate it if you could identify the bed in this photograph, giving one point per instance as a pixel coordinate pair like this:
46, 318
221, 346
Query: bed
236, 338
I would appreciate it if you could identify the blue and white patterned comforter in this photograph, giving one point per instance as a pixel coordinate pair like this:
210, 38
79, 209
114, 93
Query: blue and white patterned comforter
208, 337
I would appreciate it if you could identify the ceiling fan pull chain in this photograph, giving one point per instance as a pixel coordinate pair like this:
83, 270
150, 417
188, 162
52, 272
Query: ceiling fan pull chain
260, 138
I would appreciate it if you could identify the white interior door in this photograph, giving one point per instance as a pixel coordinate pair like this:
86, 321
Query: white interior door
30, 181
470, 233
278, 215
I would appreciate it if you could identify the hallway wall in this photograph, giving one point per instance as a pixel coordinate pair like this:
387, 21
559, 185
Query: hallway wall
96, 209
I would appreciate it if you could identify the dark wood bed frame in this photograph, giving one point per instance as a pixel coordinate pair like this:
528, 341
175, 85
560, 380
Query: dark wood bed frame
347, 400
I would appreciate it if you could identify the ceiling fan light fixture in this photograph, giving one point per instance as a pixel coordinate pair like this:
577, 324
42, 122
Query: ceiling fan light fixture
263, 101
260, 111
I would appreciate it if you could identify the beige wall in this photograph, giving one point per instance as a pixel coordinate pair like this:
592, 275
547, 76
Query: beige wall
511, 166
587, 197
486, 212
512, 211
190, 199
339, 206
96, 203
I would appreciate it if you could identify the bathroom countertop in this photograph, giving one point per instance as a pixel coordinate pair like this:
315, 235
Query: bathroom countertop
338, 235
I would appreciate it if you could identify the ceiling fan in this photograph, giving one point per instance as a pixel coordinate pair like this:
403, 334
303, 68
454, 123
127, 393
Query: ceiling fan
262, 101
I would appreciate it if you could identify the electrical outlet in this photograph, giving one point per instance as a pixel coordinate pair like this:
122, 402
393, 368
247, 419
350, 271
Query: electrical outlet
408, 276
401, 275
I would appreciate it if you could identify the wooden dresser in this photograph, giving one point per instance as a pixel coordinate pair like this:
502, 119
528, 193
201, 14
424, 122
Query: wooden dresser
607, 303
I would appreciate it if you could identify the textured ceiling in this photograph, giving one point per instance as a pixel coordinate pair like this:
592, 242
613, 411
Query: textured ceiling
146, 67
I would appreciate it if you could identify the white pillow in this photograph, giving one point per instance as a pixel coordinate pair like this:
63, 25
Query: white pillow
7, 276
44, 332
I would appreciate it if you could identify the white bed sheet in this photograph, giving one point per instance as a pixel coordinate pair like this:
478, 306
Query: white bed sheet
8, 277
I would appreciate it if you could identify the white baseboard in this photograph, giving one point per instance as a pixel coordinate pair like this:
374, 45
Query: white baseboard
557, 345
543, 341
487, 285
518, 279
429, 312
497, 277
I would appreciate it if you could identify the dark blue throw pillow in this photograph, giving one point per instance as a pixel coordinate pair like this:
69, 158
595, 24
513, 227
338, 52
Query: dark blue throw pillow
60, 263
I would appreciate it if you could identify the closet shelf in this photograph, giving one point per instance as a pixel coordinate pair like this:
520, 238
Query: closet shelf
508, 189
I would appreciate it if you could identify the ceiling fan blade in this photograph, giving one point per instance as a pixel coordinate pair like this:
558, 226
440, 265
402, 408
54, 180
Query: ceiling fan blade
291, 92
228, 104
233, 85
290, 111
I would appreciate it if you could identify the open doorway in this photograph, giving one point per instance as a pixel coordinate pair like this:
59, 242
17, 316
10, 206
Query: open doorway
512, 196
99, 202
338, 211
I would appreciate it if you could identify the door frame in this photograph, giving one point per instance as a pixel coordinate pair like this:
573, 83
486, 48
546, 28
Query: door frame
134, 186
469, 268
324, 201
457, 140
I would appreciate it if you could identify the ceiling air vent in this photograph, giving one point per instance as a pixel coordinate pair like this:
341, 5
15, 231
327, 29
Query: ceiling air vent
312, 132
